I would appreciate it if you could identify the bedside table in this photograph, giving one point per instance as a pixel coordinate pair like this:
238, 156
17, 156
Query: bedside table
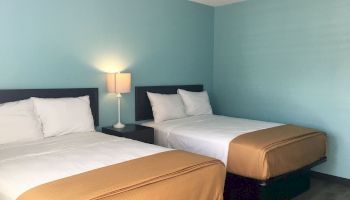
132, 131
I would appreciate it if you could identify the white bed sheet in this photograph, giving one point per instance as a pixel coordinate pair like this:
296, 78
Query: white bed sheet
208, 135
26, 165
148, 123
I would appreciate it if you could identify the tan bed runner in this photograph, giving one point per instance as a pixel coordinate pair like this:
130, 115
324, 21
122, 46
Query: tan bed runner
172, 175
272, 152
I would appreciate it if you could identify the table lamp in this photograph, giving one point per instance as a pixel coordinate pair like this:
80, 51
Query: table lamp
119, 83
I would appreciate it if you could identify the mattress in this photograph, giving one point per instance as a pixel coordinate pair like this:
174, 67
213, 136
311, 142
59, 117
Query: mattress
27, 165
208, 135
268, 153
254, 149
170, 175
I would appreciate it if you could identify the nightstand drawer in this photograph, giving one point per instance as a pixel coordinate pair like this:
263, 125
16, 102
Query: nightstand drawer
144, 136
132, 131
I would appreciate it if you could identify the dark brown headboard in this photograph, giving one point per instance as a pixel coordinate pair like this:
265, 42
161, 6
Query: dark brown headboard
16, 95
143, 109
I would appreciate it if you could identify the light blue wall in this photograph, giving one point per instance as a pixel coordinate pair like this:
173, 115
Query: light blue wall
287, 61
65, 43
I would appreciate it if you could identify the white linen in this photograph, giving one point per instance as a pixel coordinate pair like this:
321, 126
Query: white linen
166, 106
62, 116
196, 103
147, 123
26, 165
208, 135
18, 122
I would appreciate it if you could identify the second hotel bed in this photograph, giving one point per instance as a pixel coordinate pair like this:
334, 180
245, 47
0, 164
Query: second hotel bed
264, 160
254, 149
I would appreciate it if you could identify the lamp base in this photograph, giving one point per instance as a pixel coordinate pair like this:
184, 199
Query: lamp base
119, 125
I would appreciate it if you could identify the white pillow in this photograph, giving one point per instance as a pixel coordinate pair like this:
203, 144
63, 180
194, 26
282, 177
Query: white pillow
18, 122
196, 103
64, 115
166, 106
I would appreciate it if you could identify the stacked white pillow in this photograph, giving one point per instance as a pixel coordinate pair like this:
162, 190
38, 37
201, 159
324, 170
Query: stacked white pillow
196, 103
37, 118
181, 105
64, 115
18, 122
166, 106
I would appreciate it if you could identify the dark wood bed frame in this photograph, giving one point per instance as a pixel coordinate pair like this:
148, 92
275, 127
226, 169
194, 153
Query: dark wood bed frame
22, 94
286, 186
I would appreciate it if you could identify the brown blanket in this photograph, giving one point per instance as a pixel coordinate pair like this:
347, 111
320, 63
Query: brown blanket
173, 175
272, 152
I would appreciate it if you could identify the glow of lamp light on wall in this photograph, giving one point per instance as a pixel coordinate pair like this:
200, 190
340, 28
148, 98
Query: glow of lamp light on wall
110, 64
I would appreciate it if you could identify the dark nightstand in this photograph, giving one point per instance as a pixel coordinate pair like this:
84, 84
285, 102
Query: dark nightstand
132, 131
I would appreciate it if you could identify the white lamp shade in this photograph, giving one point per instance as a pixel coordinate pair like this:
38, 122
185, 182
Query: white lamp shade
119, 83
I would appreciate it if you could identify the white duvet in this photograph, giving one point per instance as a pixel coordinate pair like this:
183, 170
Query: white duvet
26, 165
208, 135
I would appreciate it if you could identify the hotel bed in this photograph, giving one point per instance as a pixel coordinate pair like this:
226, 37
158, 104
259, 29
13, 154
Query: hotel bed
264, 160
92, 165
213, 136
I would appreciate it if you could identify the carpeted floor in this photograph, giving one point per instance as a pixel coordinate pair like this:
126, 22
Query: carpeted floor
324, 190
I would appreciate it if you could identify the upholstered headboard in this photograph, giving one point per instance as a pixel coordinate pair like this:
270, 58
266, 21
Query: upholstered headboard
16, 95
143, 109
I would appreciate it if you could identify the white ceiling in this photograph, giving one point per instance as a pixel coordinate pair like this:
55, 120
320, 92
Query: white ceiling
216, 2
